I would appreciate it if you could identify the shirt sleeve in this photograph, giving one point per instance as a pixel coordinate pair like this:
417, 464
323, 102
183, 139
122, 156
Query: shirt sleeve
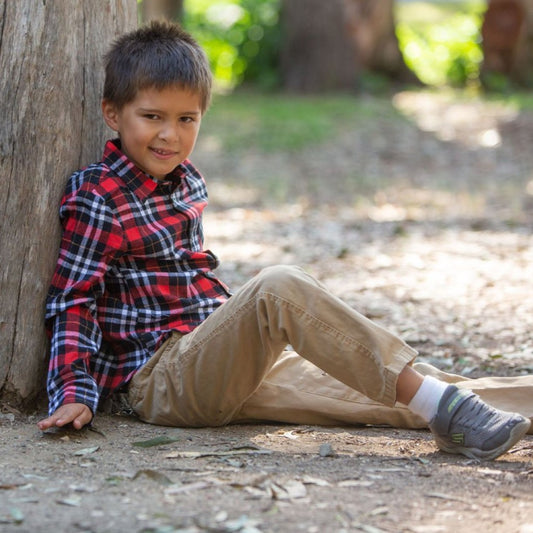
91, 241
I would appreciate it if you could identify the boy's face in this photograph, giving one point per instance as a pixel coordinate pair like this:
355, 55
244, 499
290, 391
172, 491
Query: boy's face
157, 129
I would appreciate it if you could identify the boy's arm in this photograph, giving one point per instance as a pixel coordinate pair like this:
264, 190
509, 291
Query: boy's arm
91, 240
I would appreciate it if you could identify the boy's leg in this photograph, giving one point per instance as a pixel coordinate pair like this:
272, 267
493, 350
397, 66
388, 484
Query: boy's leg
204, 378
297, 391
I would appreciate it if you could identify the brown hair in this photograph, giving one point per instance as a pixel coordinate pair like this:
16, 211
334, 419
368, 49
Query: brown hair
157, 55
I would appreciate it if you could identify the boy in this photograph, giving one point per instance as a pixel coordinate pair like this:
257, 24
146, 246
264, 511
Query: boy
134, 303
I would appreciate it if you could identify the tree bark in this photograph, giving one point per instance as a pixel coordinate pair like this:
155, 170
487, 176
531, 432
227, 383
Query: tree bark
317, 53
50, 81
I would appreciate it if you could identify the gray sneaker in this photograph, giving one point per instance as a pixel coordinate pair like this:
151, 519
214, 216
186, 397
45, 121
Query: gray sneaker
465, 424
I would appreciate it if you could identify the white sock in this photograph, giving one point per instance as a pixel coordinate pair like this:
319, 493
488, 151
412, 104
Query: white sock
426, 400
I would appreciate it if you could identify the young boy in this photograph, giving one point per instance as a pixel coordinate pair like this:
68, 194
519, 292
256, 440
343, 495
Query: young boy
134, 304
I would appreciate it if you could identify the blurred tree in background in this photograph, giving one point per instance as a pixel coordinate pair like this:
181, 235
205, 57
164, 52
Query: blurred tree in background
311, 45
372, 27
338, 44
507, 34
318, 52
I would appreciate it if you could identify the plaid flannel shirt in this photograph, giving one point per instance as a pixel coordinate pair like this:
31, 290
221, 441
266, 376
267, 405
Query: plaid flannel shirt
131, 269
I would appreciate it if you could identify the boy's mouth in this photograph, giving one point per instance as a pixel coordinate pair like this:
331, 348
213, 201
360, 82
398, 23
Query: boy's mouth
163, 154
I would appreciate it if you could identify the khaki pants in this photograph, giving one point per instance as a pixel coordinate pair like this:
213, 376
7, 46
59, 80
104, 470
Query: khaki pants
234, 367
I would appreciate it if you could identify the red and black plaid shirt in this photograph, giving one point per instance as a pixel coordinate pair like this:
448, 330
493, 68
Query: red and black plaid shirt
131, 268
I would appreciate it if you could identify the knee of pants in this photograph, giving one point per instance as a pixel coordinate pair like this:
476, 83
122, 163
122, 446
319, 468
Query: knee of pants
282, 279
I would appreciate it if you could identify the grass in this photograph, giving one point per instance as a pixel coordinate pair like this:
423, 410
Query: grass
274, 122
521, 100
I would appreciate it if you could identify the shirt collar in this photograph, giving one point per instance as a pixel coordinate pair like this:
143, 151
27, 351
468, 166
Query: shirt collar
140, 183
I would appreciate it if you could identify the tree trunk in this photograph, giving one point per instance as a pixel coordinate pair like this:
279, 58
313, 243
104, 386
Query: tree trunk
372, 26
317, 53
161, 9
50, 82
507, 34
522, 71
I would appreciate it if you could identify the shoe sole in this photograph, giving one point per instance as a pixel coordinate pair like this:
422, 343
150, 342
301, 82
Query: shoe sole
475, 453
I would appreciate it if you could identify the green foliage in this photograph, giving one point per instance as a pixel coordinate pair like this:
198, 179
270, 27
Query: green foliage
440, 41
241, 38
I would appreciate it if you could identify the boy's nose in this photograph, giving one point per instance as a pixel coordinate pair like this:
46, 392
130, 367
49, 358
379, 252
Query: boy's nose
169, 133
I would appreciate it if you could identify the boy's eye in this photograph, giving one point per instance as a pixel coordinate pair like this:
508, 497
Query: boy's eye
151, 116
187, 119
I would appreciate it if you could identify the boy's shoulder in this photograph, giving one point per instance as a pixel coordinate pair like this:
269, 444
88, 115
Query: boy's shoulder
96, 179
104, 178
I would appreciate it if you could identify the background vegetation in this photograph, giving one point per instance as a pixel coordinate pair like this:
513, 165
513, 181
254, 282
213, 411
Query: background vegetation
440, 41
241, 37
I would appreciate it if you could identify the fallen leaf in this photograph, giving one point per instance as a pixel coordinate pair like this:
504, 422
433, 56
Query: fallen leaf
34, 476
288, 490
256, 492
309, 480
452, 498
188, 487
228, 453
383, 509
156, 441
17, 515
86, 451
354, 483
153, 474
82, 488
289, 435
367, 528
72, 501
11, 486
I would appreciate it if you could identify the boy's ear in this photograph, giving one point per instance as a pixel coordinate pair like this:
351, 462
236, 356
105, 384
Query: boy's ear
110, 113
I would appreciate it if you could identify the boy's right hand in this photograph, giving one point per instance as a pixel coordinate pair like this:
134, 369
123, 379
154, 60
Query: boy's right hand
77, 413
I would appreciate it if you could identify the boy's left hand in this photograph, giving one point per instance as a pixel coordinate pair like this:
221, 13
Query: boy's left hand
77, 413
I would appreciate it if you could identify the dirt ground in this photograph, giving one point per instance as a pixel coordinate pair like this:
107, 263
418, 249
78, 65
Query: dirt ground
436, 245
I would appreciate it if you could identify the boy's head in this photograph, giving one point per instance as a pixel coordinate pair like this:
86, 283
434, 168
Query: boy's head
158, 55
156, 90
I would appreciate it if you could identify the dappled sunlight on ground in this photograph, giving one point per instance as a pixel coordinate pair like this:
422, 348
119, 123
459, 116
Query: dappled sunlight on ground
473, 122
459, 296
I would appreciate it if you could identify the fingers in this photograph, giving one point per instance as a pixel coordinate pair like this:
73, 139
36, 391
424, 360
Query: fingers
46, 423
77, 414
85, 417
